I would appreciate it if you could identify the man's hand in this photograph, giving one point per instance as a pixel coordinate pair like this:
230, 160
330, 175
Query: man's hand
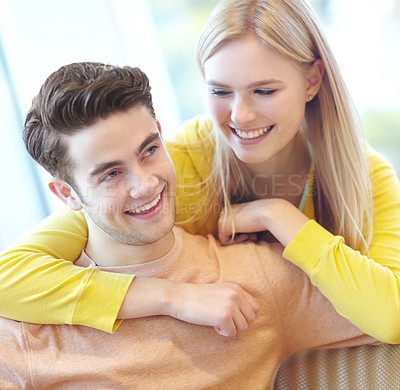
224, 306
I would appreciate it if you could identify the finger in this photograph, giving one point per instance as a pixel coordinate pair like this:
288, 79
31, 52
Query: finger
248, 308
224, 238
237, 240
249, 311
241, 237
253, 302
253, 237
228, 331
240, 322
224, 230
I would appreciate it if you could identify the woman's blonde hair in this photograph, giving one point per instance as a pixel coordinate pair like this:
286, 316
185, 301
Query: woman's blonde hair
341, 188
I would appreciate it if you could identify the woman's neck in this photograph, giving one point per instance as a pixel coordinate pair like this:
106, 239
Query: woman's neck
283, 176
294, 158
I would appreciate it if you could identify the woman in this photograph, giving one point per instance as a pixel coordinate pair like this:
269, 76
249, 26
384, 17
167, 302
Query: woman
283, 140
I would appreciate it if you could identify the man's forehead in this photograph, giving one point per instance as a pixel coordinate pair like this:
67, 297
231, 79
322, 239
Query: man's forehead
105, 164
109, 139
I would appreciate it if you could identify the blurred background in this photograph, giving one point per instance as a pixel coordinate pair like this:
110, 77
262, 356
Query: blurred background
37, 37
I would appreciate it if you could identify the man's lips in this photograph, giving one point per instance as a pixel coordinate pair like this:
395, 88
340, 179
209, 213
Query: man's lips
252, 134
146, 208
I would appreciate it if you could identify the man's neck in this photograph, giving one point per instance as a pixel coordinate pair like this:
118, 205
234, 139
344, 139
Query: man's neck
107, 252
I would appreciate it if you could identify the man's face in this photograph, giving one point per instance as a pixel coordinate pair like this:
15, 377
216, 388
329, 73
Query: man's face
124, 177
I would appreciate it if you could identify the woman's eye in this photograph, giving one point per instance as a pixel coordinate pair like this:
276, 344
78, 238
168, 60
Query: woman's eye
219, 92
151, 150
265, 92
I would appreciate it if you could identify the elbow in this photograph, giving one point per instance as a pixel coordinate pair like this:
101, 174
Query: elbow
389, 332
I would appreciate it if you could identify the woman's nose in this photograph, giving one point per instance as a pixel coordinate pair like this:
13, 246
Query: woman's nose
242, 112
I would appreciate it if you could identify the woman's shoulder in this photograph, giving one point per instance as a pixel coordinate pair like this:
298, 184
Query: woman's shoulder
193, 145
194, 130
378, 163
384, 180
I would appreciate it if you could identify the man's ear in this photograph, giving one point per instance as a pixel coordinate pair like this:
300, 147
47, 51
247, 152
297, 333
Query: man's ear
315, 79
65, 192
159, 127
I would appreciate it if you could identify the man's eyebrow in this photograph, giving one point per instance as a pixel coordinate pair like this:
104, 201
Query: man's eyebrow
99, 168
254, 84
148, 140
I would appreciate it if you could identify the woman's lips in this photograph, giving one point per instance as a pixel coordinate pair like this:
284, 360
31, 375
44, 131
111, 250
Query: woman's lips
252, 134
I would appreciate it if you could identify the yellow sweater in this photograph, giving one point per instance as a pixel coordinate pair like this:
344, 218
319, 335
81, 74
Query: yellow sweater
39, 286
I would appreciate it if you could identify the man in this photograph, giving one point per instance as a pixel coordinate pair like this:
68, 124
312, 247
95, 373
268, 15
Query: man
108, 160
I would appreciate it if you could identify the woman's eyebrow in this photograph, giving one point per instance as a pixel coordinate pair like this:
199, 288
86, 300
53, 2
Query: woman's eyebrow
254, 84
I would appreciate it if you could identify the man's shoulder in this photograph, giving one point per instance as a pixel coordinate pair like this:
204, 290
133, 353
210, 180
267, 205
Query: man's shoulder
84, 261
7, 325
267, 255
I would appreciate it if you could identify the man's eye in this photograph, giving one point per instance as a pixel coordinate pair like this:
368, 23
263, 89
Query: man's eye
111, 175
219, 92
151, 150
265, 92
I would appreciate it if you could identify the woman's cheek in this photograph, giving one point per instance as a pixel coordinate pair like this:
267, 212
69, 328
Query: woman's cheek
218, 110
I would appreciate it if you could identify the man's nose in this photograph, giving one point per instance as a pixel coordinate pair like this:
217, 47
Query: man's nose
142, 185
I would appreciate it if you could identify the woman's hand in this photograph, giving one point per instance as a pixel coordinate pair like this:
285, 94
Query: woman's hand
247, 220
225, 306
278, 216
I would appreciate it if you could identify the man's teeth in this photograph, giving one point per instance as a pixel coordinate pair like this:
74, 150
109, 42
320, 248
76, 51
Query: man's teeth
252, 134
146, 207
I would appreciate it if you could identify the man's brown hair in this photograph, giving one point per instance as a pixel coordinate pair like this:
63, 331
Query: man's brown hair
73, 98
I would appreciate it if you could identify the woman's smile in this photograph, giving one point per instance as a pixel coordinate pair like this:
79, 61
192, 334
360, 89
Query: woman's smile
254, 134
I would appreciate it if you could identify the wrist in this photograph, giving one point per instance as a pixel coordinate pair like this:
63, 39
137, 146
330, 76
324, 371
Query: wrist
271, 211
147, 297
169, 296
283, 220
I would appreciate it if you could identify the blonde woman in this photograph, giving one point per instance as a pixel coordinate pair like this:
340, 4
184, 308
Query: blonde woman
283, 141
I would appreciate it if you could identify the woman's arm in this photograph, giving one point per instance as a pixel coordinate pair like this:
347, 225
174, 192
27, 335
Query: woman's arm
40, 284
224, 306
363, 289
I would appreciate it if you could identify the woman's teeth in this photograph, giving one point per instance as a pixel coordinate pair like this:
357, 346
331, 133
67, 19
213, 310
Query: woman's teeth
146, 207
252, 134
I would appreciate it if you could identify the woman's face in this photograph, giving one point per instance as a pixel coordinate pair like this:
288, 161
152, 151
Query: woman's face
257, 98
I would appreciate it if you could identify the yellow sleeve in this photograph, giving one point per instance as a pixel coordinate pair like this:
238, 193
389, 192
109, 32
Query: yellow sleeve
192, 150
363, 289
41, 285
